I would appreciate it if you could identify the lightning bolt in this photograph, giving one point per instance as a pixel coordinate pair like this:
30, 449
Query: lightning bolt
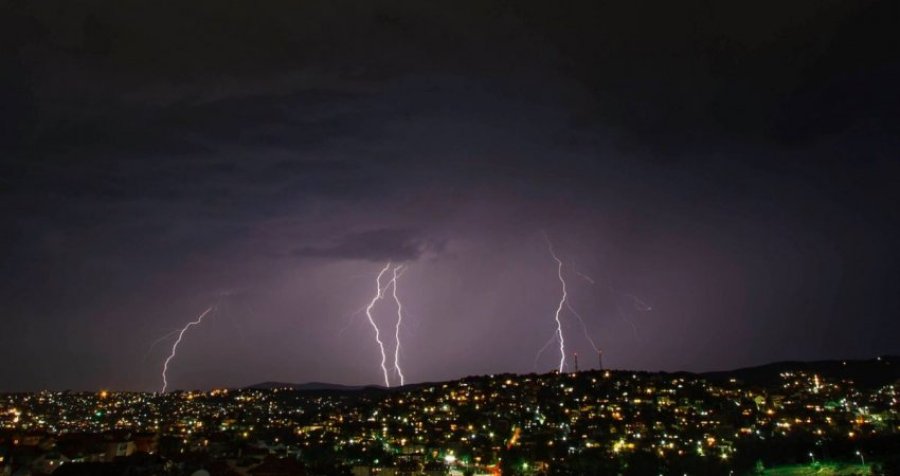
379, 294
564, 302
584, 328
638, 304
175, 346
586, 277
397, 271
559, 308
159, 341
537, 356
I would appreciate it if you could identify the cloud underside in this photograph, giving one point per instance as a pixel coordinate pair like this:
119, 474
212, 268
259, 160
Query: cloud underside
374, 245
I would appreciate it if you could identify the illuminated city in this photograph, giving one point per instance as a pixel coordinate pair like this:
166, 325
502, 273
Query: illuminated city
590, 422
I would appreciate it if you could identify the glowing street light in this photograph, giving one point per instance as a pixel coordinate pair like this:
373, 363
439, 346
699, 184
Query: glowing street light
862, 459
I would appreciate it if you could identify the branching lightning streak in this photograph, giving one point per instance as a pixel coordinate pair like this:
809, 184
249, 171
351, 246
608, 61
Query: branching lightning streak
397, 270
584, 328
397, 368
379, 294
630, 322
586, 277
587, 335
638, 304
159, 341
350, 320
175, 346
559, 308
537, 356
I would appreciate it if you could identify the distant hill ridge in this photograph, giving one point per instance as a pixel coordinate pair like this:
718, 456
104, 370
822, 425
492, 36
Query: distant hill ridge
312, 386
866, 373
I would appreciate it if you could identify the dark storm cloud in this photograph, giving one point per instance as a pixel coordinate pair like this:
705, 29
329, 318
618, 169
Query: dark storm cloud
699, 73
301, 119
684, 76
735, 160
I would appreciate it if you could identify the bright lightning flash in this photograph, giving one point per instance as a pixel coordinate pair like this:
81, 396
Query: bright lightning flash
559, 308
537, 356
379, 293
397, 271
175, 346
564, 302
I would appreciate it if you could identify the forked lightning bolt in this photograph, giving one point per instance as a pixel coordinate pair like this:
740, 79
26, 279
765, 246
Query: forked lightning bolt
159, 341
584, 328
175, 346
397, 368
586, 277
559, 308
564, 302
379, 293
540, 351
638, 304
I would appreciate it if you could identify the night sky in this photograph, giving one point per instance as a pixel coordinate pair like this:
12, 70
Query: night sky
726, 173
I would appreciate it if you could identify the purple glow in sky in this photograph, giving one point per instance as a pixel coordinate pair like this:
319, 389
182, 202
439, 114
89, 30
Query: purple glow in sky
725, 174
